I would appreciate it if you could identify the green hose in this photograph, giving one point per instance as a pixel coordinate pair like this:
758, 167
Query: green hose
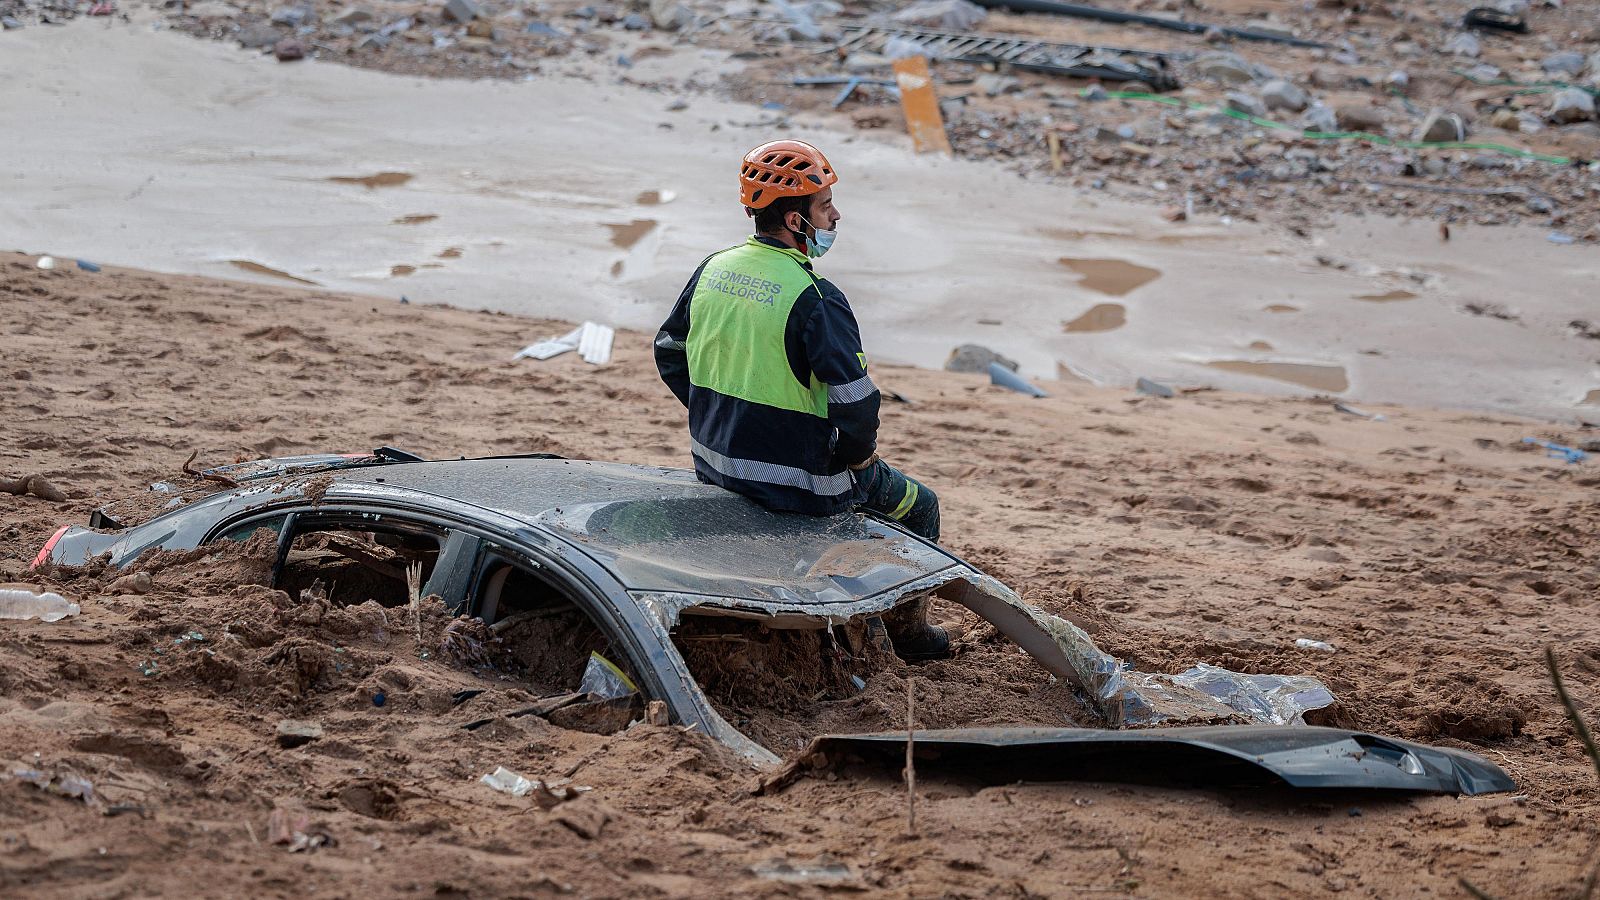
1530, 87
1339, 135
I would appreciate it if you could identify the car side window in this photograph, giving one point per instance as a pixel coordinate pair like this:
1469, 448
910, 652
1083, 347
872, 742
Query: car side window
539, 623
353, 561
242, 531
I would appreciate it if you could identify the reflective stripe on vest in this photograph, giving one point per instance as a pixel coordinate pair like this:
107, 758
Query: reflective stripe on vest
738, 315
772, 473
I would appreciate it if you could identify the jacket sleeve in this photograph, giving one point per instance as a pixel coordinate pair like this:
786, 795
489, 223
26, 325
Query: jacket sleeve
672, 359
833, 349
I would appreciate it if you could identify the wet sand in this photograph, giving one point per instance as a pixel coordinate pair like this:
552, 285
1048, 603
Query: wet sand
1437, 553
227, 156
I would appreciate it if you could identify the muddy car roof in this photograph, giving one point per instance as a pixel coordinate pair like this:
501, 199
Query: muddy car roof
662, 530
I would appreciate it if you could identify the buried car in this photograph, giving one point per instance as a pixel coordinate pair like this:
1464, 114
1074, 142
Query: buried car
654, 567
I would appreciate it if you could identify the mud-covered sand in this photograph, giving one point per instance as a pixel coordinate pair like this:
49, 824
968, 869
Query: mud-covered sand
1430, 549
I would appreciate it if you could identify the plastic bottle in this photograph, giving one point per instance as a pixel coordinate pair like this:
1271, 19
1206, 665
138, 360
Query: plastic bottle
21, 603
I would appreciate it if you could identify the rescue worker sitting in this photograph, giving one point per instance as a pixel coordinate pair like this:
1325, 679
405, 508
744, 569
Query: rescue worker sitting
766, 355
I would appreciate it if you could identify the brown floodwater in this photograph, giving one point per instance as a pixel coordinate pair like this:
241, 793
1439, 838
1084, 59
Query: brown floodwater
1592, 398
1114, 277
259, 269
1282, 308
1389, 297
416, 219
626, 234
1100, 317
1322, 378
382, 179
401, 271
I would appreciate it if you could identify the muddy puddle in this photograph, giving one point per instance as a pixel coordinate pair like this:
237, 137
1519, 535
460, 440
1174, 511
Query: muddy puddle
258, 269
381, 179
1281, 308
1592, 398
626, 234
1260, 345
401, 271
1321, 378
1388, 297
451, 253
1113, 277
655, 198
417, 219
1101, 317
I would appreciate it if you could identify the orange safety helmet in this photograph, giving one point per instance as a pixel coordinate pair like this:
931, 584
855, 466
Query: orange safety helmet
782, 169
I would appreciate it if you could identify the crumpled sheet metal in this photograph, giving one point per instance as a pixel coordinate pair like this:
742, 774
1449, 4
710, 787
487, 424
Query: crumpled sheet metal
1126, 698
1123, 698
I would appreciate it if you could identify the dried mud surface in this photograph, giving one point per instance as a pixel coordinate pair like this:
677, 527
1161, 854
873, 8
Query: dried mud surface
1434, 554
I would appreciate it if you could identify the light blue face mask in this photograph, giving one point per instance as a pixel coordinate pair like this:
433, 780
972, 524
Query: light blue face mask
819, 245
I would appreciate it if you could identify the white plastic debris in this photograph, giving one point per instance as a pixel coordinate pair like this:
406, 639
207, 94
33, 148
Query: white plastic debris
1309, 644
592, 341
21, 603
46, 262
506, 781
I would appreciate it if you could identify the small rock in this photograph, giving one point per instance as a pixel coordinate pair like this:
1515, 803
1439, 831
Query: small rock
1572, 105
976, 358
1153, 389
137, 583
1229, 68
1359, 117
948, 15
291, 16
258, 36
8, 23
670, 15
1280, 94
355, 15
1512, 7
1565, 63
1505, 118
1463, 44
543, 29
481, 28
678, 105
374, 41
635, 22
1246, 103
462, 11
1326, 78
289, 50
295, 733
1441, 126
1399, 79
1319, 118
46, 263
993, 84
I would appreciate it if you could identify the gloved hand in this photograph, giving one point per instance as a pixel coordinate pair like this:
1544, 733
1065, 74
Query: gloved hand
865, 464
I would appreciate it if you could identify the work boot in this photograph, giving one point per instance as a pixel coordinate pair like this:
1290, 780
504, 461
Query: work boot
914, 639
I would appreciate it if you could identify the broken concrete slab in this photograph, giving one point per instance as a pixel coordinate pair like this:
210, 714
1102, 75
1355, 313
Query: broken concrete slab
1571, 105
294, 733
1280, 94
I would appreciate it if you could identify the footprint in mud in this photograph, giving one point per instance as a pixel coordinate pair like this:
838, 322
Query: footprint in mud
1100, 317
258, 269
1113, 277
381, 179
1321, 378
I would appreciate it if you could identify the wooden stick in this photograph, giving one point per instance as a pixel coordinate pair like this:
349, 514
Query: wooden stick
911, 765
414, 586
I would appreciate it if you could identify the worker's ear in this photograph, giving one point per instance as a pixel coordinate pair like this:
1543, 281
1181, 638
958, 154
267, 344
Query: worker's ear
795, 221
